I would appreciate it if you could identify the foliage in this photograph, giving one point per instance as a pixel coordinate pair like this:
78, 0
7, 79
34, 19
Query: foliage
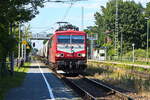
45, 41
12, 12
131, 23
12, 82
92, 32
139, 53
112, 65
147, 10
111, 52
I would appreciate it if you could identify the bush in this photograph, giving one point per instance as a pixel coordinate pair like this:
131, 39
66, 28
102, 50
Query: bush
139, 53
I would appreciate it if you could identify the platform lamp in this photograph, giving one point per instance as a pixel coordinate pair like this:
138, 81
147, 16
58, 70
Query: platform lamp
133, 52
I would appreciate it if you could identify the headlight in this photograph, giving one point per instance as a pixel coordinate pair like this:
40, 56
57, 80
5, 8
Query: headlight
83, 55
60, 55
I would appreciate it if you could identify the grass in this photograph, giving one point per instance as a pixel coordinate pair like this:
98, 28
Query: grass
128, 67
8, 82
130, 62
119, 76
93, 70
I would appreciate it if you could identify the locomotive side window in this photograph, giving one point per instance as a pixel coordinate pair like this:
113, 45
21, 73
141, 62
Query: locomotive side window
64, 39
77, 39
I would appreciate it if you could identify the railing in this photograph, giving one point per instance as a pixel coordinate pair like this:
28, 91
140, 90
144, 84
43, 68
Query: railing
129, 59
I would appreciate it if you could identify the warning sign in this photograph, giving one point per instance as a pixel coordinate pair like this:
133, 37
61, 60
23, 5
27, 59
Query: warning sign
28, 47
24, 42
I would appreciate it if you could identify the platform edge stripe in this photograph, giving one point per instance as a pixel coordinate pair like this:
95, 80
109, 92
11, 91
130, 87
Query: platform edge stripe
47, 84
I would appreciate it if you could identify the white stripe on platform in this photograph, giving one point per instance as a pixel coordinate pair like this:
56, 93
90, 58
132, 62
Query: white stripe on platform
48, 86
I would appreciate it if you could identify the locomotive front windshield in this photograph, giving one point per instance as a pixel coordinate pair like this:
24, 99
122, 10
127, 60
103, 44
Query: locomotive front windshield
71, 39
64, 39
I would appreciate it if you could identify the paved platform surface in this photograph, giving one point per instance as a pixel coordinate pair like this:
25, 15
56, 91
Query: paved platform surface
36, 87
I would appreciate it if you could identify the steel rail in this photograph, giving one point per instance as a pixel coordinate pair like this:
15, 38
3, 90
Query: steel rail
87, 96
117, 93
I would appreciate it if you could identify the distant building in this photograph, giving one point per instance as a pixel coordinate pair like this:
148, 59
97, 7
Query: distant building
99, 54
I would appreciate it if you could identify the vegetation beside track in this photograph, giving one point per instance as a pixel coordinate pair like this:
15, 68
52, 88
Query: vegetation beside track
123, 66
8, 82
131, 62
122, 76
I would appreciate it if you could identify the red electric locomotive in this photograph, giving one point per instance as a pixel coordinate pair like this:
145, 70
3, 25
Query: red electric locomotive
67, 50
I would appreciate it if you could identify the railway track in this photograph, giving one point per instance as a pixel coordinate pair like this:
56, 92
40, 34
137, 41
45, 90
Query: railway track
90, 89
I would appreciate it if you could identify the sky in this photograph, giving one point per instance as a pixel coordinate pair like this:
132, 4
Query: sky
45, 21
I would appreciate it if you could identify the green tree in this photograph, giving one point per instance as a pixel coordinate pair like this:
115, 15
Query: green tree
131, 23
13, 11
147, 10
147, 15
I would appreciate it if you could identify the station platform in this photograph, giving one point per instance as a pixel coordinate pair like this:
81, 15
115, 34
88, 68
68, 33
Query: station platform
41, 84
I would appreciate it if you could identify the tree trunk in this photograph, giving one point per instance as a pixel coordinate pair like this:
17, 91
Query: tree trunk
11, 63
3, 67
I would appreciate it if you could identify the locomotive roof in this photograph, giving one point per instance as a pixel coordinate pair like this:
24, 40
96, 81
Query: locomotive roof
69, 31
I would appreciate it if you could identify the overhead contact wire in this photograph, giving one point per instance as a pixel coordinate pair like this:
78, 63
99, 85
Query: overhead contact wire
67, 11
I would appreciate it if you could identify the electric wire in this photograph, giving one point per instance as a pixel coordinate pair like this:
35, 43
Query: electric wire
44, 31
71, 2
64, 17
67, 11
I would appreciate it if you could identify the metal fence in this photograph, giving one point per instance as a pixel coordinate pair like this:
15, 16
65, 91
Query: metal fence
129, 59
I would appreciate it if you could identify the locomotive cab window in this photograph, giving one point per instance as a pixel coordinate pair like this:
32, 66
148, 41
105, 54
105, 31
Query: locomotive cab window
77, 39
71, 39
63, 39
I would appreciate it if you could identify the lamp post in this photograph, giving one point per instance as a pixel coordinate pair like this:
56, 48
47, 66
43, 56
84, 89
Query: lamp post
121, 45
116, 29
18, 47
92, 42
82, 19
147, 40
133, 52
147, 18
